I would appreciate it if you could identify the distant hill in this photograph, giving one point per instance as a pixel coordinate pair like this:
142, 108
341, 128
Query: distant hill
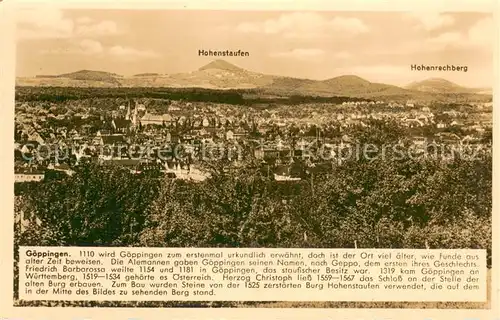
438, 85
221, 65
220, 74
90, 75
75, 78
353, 86
487, 91
148, 74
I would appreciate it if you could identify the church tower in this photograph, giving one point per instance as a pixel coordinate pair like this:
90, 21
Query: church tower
127, 116
134, 116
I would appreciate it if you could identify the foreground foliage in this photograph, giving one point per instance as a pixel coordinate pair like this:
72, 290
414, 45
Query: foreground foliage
404, 203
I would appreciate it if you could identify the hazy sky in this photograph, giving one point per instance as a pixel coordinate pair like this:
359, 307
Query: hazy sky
378, 46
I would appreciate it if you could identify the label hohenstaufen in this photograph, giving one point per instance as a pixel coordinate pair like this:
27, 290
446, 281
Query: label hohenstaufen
223, 53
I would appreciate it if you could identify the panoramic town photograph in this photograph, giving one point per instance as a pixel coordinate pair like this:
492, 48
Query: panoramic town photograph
253, 129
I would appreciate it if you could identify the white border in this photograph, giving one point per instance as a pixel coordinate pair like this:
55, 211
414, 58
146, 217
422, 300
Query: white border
7, 77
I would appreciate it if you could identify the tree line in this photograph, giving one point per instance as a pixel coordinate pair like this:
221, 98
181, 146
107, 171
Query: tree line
235, 96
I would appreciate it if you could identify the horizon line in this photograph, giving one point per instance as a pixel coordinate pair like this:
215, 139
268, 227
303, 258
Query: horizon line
403, 86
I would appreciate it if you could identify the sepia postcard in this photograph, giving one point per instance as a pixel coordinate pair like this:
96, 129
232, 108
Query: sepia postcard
231, 159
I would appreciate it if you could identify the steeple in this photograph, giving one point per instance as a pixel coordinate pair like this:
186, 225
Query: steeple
127, 116
134, 117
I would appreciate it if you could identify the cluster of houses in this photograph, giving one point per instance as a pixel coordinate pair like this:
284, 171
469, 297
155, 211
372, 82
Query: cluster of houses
105, 137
